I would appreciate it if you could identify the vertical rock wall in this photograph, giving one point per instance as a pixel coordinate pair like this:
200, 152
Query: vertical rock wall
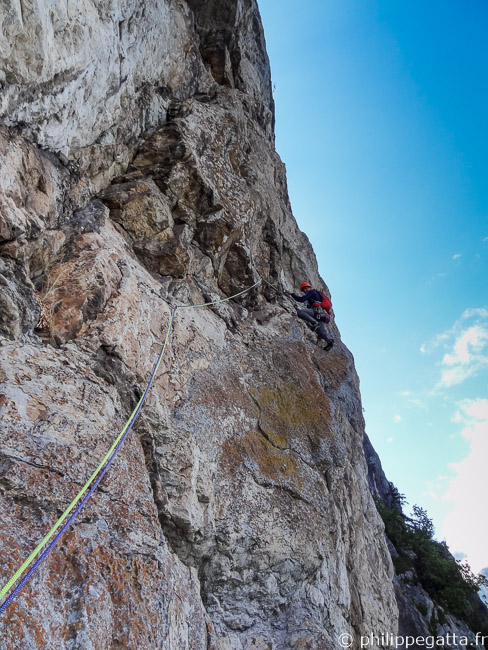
138, 171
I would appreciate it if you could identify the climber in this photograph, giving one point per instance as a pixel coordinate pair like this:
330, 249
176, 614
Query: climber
315, 315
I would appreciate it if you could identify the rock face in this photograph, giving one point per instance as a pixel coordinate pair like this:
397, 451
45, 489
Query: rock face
138, 172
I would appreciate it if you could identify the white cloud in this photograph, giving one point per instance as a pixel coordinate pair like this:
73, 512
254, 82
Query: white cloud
456, 256
390, 439
474, 337
411, 399
419, 403
440, 339
466, 527
467, 357
477, 409
468, 348
457, 375
481, 313
397, 418
460, 556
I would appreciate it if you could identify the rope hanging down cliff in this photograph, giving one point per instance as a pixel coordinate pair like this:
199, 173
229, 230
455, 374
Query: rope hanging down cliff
42, 551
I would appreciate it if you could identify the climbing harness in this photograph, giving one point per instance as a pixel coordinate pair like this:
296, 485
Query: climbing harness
42, 551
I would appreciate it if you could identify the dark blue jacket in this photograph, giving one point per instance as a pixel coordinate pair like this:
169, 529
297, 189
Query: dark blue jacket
311, 297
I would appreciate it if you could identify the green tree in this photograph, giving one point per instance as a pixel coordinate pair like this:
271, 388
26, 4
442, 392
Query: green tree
450, 584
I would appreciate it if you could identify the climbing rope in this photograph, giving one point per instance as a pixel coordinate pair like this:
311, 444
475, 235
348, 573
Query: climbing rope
42, 551
215, 302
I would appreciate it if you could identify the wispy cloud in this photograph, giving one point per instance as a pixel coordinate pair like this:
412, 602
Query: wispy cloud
465, 345
482, 312
438, 277
397, 418
456, 256
431, 494
412, 399
459, 353
472, 339
469, 488
467, 357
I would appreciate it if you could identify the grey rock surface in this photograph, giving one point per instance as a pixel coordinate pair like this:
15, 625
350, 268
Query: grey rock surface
138, 172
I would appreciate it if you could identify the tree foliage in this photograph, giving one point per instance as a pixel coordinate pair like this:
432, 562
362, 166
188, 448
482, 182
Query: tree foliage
449, 583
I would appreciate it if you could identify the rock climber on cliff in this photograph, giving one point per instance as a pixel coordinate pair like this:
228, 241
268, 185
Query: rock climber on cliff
316, 314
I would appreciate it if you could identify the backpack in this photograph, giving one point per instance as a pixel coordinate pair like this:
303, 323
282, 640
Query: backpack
326, 305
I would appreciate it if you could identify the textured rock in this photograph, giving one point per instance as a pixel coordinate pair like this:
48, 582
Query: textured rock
378, 483
88, 78
238, 513
420, 617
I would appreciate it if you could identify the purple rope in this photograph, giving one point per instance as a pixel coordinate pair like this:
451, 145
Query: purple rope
51, 545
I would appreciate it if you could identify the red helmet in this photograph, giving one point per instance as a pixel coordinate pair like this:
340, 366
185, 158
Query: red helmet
305, 285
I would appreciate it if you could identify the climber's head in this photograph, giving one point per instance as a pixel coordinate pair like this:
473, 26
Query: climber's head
305, 286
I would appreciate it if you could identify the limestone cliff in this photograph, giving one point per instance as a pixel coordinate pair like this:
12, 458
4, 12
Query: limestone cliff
138, 171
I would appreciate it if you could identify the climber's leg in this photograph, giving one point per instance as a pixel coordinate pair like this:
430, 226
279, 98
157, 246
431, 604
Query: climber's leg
322, 334
308, 316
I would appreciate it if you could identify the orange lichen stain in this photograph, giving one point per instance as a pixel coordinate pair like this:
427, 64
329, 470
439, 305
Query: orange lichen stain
271, 463
17, 621
287, 410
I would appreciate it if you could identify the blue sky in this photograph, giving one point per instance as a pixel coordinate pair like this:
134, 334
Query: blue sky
381, 120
